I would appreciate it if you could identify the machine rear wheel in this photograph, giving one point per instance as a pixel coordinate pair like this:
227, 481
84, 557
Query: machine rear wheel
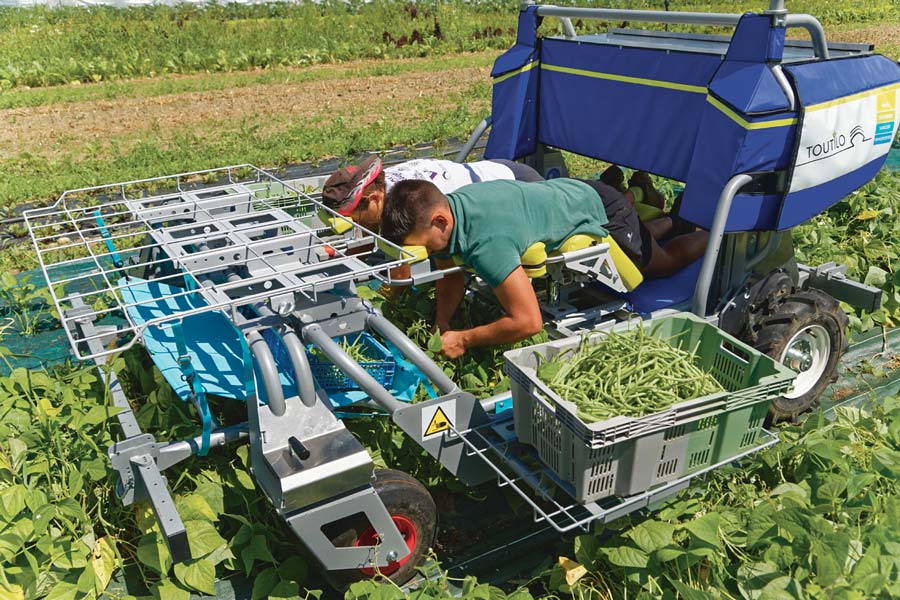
414, 513
806, 332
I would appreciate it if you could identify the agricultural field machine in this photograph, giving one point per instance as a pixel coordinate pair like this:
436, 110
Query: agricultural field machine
238, 284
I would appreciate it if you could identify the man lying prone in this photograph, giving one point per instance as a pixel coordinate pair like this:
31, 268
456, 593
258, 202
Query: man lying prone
488, 226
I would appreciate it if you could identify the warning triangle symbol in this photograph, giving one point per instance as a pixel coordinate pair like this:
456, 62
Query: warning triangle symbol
439, 422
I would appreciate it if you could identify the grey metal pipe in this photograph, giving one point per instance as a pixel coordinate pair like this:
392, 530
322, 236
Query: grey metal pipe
714, 245
808, 22
297, 355
268, 370
568, 28
816, 32
175, 452
315, 335
776, 6
473, 139
411, 351
782, 81
300, 363
653, 16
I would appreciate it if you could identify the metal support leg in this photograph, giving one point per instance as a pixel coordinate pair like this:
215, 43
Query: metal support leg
714, 245
473, 139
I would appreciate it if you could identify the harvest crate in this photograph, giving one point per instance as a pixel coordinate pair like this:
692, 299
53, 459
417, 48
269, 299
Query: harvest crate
328, 375
623, 456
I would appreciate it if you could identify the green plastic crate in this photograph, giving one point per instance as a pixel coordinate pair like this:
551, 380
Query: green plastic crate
623, 456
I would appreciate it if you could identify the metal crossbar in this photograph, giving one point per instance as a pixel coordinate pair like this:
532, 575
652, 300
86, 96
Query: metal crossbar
245, 239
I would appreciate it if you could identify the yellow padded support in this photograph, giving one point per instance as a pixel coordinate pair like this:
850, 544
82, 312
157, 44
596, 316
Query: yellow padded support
534, 260
646, 212
628, 271
338, 225
419, 252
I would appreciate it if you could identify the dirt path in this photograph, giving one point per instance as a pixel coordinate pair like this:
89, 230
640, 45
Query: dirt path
56, 129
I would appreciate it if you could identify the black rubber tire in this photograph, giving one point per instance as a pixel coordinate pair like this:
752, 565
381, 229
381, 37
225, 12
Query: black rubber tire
403, 496
797, 311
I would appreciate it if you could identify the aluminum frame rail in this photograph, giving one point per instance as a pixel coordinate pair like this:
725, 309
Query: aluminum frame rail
95, 245
776, 9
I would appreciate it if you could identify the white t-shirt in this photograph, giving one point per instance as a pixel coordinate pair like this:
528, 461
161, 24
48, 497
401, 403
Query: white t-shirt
445, 174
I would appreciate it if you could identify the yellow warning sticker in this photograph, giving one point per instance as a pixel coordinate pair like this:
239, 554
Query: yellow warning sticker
439, 422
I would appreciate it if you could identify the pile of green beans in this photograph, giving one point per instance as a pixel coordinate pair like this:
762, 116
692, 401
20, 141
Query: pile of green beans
628, 374
356, 349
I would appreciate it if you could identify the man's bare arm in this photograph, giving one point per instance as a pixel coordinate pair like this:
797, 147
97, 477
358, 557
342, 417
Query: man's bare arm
449, 292
522, 319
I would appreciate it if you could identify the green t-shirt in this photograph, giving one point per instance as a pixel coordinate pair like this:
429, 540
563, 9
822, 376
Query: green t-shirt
496, 221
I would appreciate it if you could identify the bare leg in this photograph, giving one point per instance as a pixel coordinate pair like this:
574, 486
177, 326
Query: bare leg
659, 228
674, 256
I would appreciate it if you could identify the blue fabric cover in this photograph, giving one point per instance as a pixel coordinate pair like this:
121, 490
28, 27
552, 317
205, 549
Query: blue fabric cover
824, 81
745, 43
821, 81
514, 97
214, 344
656, 294
801, 206
633, 124
725, 148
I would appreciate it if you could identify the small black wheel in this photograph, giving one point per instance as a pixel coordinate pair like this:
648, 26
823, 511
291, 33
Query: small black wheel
806, 332
414, 513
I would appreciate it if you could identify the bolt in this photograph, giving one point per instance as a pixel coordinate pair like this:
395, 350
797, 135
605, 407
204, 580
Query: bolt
392, 555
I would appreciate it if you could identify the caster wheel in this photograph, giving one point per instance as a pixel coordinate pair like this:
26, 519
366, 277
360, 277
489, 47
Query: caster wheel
806, 333
413, 512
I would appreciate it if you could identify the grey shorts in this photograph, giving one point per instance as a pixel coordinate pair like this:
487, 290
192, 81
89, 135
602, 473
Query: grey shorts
521, 172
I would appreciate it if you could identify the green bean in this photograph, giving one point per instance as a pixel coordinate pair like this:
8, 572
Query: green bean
629, 374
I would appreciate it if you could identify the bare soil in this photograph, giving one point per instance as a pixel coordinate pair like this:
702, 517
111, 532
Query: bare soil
52, 130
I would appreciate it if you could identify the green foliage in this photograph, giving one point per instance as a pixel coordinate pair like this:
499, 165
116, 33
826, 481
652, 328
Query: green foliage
60, 525
813, 517
861, 232
45, 47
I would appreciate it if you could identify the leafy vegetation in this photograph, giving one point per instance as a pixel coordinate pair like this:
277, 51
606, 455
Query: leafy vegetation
43, 47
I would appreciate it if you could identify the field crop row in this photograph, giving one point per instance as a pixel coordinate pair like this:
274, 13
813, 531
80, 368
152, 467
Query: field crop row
45, 47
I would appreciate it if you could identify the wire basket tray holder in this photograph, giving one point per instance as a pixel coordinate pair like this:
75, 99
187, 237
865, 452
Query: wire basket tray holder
215, 240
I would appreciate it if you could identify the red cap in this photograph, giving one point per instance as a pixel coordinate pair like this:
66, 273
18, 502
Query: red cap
344, 189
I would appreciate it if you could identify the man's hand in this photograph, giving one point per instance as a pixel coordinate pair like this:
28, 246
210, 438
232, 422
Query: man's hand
522, 318
453, 344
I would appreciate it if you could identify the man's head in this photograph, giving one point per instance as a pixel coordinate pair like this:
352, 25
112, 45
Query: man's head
357, 192
416, 213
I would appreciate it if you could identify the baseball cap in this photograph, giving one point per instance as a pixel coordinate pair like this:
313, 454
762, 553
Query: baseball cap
344, 189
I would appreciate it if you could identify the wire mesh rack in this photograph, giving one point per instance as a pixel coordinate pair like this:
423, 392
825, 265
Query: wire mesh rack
518, 468
213, 240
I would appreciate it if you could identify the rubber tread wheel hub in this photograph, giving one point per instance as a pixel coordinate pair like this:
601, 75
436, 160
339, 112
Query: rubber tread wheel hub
414, 513
807, 333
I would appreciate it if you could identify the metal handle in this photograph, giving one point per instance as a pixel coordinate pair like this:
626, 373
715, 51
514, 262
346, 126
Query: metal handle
776, 9
714, 245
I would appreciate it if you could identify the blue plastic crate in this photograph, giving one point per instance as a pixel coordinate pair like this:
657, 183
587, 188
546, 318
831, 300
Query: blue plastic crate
330, 377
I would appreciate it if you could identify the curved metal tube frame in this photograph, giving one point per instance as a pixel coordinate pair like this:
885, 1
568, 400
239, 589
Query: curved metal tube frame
411, 351
808, 22
714, 245
314, 334
473, 139
268, 371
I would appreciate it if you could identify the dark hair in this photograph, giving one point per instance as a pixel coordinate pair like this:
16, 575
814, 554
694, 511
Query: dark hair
408, 207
